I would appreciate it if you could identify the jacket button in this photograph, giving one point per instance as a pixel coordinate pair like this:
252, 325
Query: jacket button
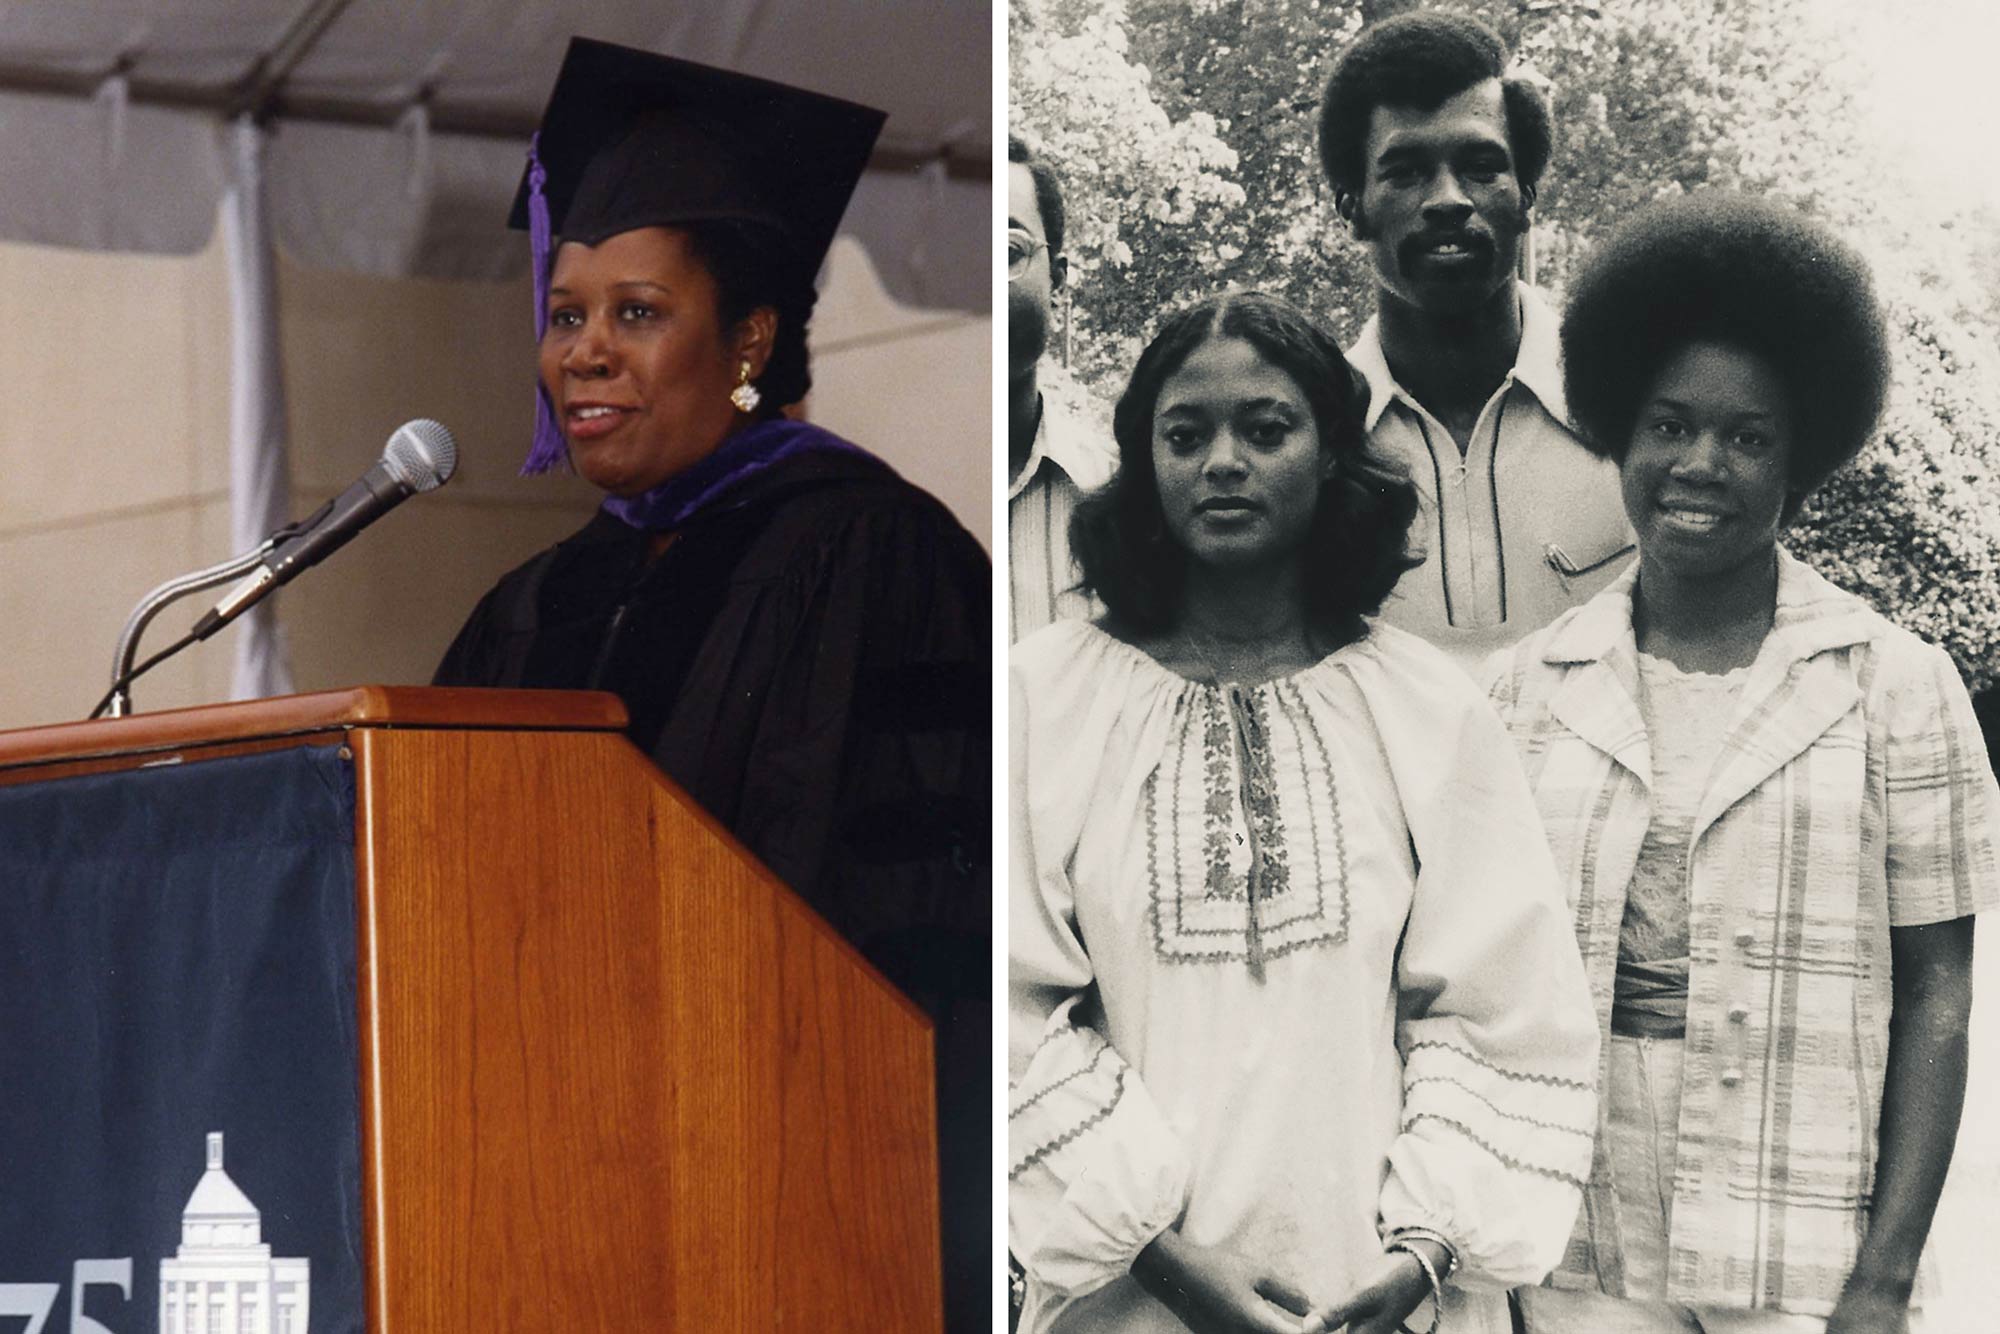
1744, 937
1731, 1078
1739, 1013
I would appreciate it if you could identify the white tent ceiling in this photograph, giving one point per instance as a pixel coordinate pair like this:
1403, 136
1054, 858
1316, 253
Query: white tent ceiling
397, 126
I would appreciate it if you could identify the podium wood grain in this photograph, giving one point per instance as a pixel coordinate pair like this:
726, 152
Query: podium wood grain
651, 1075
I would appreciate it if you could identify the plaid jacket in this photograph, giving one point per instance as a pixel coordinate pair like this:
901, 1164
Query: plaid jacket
1852, 794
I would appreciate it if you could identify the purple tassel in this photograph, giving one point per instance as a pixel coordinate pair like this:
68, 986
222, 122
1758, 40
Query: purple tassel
549, 450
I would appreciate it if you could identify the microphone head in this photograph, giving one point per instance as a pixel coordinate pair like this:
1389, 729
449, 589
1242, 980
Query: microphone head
421, 455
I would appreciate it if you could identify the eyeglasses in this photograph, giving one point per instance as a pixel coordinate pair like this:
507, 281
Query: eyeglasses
1021, 248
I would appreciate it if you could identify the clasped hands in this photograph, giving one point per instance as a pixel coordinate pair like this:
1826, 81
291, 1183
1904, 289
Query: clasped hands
1213, 1290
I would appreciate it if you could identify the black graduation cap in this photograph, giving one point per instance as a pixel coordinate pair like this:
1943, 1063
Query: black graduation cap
633, 139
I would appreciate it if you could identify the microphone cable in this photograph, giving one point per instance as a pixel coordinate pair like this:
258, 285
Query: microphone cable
140, 671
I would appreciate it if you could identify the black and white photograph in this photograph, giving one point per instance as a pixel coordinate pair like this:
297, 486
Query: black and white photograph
1503, 543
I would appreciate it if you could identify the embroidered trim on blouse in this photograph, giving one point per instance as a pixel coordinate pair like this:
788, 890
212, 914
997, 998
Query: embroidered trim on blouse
1217, 808
1507, 1158
1061, 1030
1553, 1081
1586, 1132
1076, 1131
1261, 908
1299, 710
1270, 874
1097, 1059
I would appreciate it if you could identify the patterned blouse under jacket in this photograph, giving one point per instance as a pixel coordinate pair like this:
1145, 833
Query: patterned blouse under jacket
1852, 795
1289, 970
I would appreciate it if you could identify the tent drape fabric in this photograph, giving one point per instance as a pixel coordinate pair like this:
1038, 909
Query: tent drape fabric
395, 201
106, 173
452, 87
259, 473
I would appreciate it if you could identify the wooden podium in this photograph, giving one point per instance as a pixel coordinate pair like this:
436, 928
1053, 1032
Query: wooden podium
613, 1075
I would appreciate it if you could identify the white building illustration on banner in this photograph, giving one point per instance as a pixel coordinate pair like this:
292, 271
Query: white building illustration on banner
224, 1279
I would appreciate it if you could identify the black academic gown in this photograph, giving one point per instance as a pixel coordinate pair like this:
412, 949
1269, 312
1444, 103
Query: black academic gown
811, 660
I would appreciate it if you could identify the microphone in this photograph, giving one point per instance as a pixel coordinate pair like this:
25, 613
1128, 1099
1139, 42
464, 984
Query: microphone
420, 456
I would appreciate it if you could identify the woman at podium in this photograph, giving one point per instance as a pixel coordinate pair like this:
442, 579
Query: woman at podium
801, 637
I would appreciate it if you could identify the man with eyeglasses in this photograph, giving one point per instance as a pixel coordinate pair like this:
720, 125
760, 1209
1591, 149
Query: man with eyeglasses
1051, 458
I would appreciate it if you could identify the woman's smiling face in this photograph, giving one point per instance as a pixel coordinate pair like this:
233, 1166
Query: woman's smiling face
1237, 455
1708, 469
635, 360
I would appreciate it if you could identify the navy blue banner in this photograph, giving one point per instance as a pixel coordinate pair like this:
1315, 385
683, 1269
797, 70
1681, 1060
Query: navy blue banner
179, 1102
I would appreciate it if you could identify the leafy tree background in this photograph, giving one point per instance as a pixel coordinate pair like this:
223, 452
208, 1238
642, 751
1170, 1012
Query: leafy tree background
1184, 132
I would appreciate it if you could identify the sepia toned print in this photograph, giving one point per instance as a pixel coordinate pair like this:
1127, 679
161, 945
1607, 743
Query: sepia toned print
1704, 501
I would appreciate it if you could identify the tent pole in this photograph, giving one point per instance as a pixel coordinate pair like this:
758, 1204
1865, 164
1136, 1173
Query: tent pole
260, 484
259, 89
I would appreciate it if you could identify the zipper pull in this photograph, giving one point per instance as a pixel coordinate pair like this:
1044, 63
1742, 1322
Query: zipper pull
1559, 561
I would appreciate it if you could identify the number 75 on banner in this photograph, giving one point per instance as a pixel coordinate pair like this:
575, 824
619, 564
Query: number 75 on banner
37, 1300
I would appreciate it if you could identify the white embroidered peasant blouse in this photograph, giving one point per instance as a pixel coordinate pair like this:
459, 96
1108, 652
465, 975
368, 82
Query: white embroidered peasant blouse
1385, 1025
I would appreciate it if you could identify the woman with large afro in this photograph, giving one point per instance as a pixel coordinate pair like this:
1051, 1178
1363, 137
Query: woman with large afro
1771, 807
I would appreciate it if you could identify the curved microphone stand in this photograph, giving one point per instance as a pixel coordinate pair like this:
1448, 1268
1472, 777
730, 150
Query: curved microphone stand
150, 606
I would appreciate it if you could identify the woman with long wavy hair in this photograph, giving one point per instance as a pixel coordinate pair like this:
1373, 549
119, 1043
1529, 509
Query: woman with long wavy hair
1299, 1036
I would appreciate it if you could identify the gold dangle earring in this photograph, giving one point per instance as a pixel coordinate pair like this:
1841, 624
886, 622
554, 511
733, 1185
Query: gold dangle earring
745, 395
